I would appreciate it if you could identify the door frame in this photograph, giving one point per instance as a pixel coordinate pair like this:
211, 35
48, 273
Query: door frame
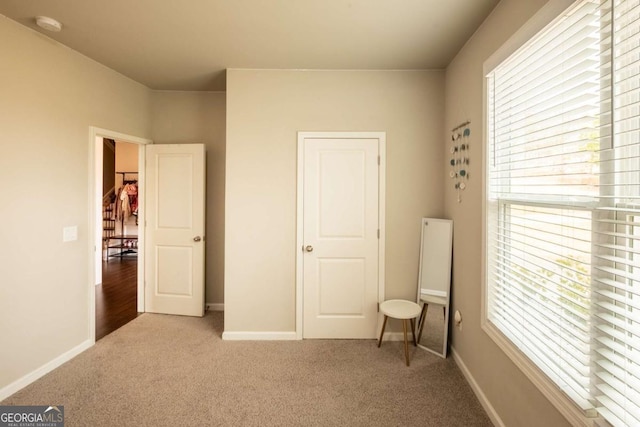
382, 152
96, 135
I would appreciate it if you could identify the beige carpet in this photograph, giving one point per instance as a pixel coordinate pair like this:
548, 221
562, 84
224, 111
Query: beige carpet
176, 371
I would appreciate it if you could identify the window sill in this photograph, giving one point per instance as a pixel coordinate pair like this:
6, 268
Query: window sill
575, 415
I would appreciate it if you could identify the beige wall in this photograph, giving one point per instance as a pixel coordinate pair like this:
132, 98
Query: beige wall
50, 97
516, 400
190, 117
126, 161
265, 110
126, 157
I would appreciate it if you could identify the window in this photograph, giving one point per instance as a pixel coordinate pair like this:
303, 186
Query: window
563, 205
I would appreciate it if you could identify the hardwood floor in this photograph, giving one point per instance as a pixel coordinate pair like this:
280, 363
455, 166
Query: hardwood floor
116, 297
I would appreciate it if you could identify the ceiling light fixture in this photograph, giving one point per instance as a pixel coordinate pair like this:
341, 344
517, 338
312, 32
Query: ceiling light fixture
48, 24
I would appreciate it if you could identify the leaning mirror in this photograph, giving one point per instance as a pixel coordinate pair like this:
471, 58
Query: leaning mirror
434, 284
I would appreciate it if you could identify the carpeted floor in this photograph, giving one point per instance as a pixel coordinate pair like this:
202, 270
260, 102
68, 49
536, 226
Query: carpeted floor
176, 371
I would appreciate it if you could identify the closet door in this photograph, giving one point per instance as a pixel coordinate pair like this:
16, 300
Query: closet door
175, 215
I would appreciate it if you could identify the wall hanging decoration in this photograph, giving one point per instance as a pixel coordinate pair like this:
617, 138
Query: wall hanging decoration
459, 161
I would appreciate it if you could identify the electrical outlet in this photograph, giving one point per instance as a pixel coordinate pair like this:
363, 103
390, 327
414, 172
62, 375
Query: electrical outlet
458, 319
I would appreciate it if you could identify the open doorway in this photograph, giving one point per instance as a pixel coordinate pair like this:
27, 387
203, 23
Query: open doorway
116, 293
112, 236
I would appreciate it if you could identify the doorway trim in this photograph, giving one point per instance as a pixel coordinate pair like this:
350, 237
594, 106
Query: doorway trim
95, 214
382, 152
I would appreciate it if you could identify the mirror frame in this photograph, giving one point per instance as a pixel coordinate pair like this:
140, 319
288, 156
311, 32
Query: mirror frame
445, 276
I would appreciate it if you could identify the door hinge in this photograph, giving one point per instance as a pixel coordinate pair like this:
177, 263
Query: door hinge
378, 233
378, 160
378, 307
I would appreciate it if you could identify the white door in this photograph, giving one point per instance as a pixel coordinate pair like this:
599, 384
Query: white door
174, 251
340, 237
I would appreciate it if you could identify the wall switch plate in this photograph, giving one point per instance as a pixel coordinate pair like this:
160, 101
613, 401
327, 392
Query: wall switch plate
70, 234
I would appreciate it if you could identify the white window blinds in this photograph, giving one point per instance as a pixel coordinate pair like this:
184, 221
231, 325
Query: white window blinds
616, 273
563, 204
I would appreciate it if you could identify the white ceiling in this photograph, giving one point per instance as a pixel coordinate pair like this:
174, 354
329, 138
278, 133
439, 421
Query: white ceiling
187, 44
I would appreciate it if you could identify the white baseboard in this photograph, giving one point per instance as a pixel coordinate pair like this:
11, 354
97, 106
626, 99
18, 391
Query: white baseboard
20, 383
259, 336
491, 412
215, 306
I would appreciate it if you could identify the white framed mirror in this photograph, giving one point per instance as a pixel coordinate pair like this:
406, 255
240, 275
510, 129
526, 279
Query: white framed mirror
434, 285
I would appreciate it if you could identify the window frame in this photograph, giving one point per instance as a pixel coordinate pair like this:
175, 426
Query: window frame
562, 402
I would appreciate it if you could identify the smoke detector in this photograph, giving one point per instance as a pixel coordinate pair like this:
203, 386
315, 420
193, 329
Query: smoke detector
48, 24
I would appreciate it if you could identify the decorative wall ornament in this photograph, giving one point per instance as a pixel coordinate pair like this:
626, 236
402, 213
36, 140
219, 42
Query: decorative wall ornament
459, 161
